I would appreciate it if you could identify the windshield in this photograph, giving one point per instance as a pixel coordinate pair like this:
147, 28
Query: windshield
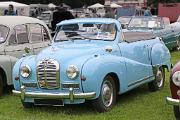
84, 31
3, 33
124, 20
145, 23
44, 16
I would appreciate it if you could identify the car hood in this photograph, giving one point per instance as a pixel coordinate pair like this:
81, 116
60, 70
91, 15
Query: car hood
71, 51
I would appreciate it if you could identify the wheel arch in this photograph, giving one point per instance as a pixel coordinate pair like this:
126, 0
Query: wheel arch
116, 80
4, 76
160, 56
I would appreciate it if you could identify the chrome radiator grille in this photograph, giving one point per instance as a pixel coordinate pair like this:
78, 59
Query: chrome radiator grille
48, 74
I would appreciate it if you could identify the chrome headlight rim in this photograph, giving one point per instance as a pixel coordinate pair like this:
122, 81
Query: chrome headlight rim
72, 72
25, 73
176, 78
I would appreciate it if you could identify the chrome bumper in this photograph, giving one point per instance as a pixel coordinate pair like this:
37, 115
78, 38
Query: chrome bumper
70, 95
171, 101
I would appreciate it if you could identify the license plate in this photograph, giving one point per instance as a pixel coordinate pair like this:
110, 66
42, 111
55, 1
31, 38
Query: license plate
49, 102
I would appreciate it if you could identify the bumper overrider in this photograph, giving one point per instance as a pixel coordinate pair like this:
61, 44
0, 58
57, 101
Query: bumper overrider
171, 101
69, 95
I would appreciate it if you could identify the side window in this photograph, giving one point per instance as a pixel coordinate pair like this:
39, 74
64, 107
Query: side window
36, 35
45, 34
12, 38
21, 34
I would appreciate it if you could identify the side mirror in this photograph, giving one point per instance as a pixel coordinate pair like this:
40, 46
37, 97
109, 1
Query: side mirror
27, 50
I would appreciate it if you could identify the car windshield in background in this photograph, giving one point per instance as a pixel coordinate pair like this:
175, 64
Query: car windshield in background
44, 16
86, 31
3, 33
145, 23
124, 20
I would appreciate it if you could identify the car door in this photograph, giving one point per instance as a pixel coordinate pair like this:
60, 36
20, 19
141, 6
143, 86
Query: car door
18, 41
39, 37
138, 62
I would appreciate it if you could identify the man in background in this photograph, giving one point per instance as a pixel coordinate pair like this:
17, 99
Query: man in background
59, 15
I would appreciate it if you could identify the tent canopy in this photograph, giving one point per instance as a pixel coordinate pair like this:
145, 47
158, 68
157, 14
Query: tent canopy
114, 5
15, 4
97, 5
22, 9
51, 5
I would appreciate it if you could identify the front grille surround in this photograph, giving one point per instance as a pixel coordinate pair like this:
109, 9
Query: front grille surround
48, 74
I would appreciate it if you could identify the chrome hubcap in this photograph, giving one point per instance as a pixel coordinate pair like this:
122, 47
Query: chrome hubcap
159, 78
107, 93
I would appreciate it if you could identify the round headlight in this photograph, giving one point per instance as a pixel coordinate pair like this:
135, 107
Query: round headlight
25, 71
72, 72
176, 78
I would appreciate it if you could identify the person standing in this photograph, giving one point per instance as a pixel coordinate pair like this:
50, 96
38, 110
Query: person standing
109, 12
59, 15
10, 10
147, 12
152, 9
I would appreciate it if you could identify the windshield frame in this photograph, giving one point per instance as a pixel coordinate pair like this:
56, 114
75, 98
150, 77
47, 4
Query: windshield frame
59, 28
145, 19
8, 30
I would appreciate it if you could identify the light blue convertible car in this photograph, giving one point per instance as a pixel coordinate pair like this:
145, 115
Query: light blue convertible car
91, 59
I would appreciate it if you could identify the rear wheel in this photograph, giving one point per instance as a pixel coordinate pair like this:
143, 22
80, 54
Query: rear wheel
1, 86
177, 112
178, 43
107, 97
158, 83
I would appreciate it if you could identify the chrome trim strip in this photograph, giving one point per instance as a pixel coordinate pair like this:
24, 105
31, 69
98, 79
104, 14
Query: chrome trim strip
141, 80
68, 95
172, 101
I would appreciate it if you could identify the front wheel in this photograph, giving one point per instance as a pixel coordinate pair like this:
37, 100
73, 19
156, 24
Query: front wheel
1, 86
27, 105
107, 97
177, 112
158, 83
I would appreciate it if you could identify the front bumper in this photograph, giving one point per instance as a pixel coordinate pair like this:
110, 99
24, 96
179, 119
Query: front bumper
69, 95
171, 101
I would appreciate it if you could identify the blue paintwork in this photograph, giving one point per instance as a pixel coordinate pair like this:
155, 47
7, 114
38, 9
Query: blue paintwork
129, 61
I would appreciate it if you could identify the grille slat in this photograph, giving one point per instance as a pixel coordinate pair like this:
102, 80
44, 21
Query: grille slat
48, 74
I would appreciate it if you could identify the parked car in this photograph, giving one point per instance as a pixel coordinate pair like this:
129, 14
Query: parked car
46, 16
175, 90
17, 35
160, 26
83, 64
124, 21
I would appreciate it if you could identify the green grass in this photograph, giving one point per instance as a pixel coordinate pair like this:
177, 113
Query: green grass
138, 104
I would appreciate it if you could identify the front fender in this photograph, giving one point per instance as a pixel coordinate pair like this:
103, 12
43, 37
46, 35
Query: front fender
16, 71
161, 56
6, 64
97, 68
